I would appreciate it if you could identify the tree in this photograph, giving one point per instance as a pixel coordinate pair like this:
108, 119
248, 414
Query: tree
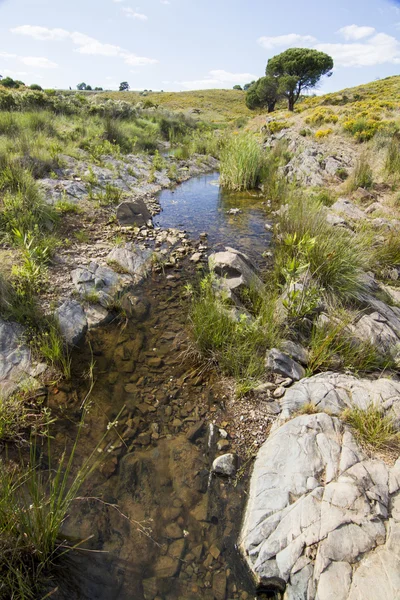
81, 86
247, 86
237, 87
297, 70
88, 88
36, 86
11, 83
263, 93
124, 86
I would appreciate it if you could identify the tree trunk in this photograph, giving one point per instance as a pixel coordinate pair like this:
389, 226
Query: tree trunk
291, 102
271, 106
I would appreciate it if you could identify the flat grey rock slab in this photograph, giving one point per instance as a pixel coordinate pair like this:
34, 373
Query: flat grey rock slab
316, 512
15, 357
72, 321
342, 206
335, 392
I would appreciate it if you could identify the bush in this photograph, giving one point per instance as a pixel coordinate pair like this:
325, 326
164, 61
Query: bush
322, 133
36, 86
362, 129
242, 162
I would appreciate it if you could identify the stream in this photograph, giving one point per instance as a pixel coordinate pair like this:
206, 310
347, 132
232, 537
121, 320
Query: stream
157, 525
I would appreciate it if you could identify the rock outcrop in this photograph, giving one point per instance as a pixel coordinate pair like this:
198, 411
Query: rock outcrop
72, 321
15, 357
235, 271
322, 520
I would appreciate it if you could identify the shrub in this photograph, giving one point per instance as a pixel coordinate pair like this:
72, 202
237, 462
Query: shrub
321, 133
242, 162
362, 129
276, 126
320, 116
342, 173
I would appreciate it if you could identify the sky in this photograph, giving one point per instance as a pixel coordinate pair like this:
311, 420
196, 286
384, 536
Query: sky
177, 45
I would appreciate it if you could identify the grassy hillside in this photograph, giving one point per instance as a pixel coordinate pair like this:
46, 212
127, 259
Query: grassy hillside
215, 106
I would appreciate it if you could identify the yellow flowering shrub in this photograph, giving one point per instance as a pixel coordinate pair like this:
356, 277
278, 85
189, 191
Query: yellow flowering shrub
321, 133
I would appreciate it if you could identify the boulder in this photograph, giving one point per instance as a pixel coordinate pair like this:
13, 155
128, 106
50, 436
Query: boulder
316, 511
225, 465
100, 282
278, 362
130, 260
336, 391
235, 270
15, 357
295, 351
376, 329
133, 212
72, 321
343, 206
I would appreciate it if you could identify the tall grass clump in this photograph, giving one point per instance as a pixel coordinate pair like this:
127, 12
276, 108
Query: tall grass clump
373, 428
333, 347
241, 162
362, 176
233, 340
35, 499
387, 255
392, 162
335, 260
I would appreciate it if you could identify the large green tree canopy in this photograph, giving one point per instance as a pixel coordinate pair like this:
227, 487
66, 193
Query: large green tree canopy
297, 70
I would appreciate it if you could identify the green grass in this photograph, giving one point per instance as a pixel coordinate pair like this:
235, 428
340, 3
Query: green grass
332, 347
362, 176
21, 413
336, 260
236, 343
241, 163
373, 428
386, 255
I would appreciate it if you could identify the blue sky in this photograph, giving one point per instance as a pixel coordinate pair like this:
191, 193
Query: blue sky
191, 44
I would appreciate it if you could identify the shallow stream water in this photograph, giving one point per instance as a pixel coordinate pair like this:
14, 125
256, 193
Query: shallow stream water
162, 527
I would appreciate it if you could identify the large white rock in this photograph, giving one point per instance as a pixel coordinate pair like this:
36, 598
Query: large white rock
235, 270
315, 514
336, 391
15, 357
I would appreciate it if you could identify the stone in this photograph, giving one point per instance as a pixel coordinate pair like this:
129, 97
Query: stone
223, 445
314, 515
375, 328
96, 315
225, 465
131, 260
134, 212
135, 306
196, 257
343, 206
15, 357
295, 351
219, 585
196, 431
336, 391
235, 270
72, 321
278, 362
166, 567
99, 282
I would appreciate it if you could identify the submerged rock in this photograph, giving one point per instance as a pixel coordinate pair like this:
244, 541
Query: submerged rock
315, 510
72, 320
225, 465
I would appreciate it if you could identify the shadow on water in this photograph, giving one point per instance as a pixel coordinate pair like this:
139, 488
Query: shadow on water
161, 527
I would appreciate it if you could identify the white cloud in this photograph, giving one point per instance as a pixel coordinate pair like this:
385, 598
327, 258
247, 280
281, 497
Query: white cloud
165, 2
38, 61
377, 50
85, 44
217, 78
41, 33
41, 62
289, 41
355, 32
132, 14
364, 48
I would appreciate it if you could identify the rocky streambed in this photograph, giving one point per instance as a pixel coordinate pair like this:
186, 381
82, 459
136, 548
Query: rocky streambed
170, 512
